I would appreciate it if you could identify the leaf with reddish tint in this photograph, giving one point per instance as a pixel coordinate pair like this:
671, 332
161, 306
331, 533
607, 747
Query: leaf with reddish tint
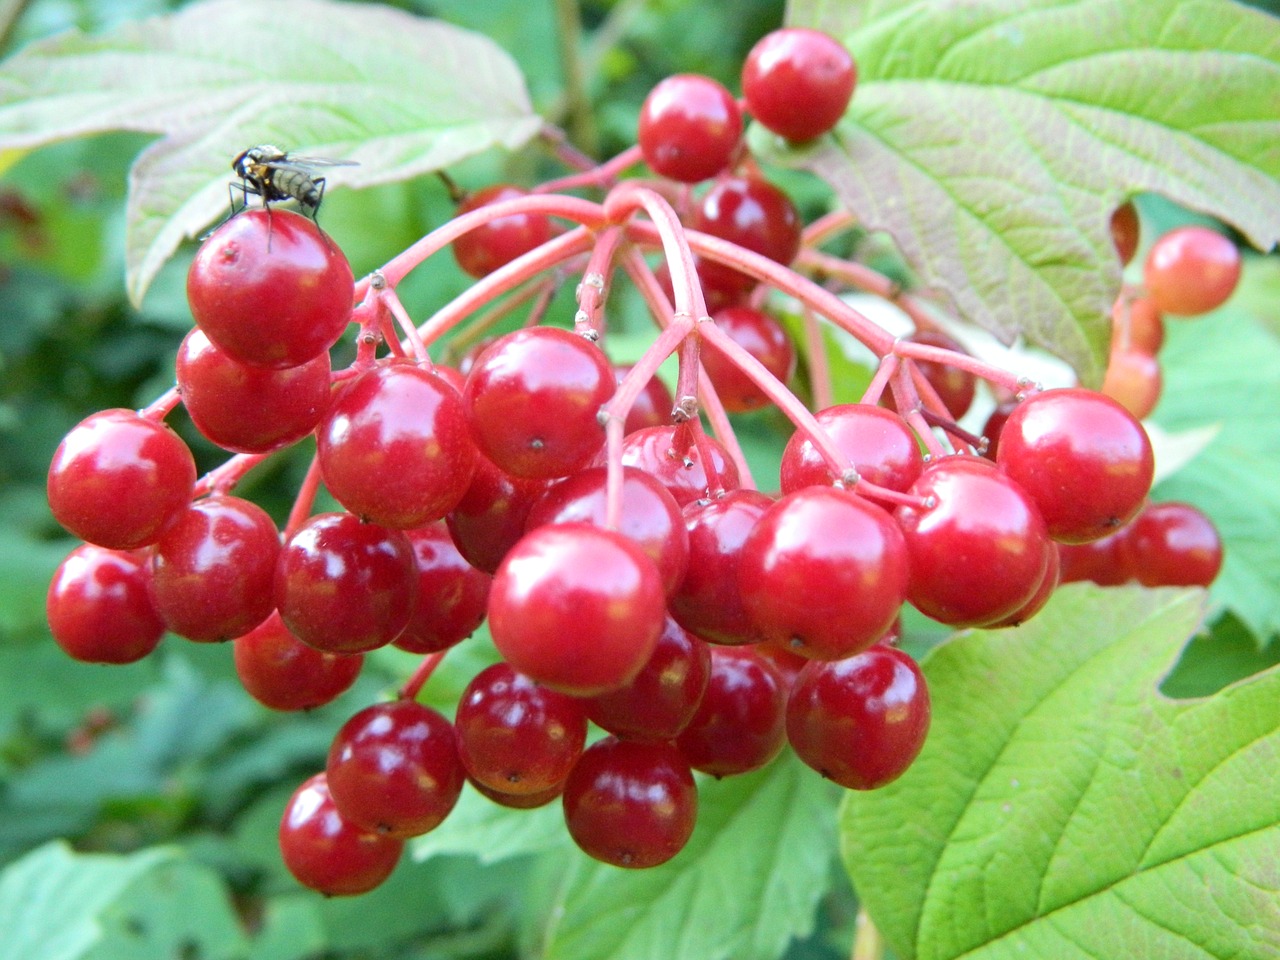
993, 141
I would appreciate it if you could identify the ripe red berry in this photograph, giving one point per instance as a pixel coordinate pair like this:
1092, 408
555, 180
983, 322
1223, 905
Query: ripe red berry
495, 244
577, 608
1101, 561
1191, 270
631, 804
879, 444
1172, 544
1125, 231
978, 554
490, 517
212, 571
1083, 458
99, 609
249, 409
674, 455
452, 594
515, 736
955, 387
326, 852
754, 214
532, 399
395, 447
740, 724
689, 127
270, 289
1133, 380
393, 768
798, 82
119, 480
520, 801
345, 586
765, 339
1048, 584
824, 572
283, 673
861, 721
653, 404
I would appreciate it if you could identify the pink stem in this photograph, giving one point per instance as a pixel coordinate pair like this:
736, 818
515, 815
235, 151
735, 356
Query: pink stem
709, 400
963, 361
391, 300
413, 686
625, 199
603, 176
223, 478
483, 323
305, 499
162, 406
827, 226
595, 280
819, 367
884, 373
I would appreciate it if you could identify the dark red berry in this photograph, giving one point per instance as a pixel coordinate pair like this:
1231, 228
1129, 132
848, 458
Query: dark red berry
452, 594
1172, 544
798, 82
490, 517
674, 455
879, 444
740, 725
765, 339
99, 609
495, 244
754, 214
283, 673
689, 127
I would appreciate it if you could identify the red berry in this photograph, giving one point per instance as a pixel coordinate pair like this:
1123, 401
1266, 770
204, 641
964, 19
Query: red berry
283, 673
1191, 270
212, 571
345, 586
515, 736
1137, 325
1172, 544
709, 601
1101, 561
393, 768
249, 409
1125, 231
674, 455
824, 572
879, 444
650, 516
119, 480
490, 517
520, 801
1083, 458
740, 725
653, 404
955, 387
395, 447
1133, 380
99, 609
798, 82
271, 289
1048, 584
978, 554
326, 852
754, 214
689, 127
532, 399
764, 338
631, 804
577, 608
452, 594
495, 244
861, 721
661, 699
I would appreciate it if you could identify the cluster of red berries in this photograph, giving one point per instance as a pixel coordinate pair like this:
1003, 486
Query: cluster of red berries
639, 585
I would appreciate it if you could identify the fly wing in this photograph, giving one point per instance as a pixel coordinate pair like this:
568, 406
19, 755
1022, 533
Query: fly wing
306, 163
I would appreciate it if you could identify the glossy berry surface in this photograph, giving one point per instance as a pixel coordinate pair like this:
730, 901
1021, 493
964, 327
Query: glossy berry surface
325, 852
576, 608
650, 515
955, 387
345, 586
520, 801
631, 804
118, 479
283, 673
532, 398
395, 447
270, 289
212, 571
393, 768
754, 214
879, 444
653, 404
1172, 544
659, 702
979, 553
798, 82
709, 601
515, 736
496, 243
689, 127
761, 336
862, 721
491, 515
1084, 460
1101, 561
740, 724
824, 573
99, 609
452, 594
675, 457
1049, 582
1191, 270
249, 409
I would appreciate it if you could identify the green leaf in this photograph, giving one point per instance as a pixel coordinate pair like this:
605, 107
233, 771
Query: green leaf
153, 905
1225, 371
398, 94
747, 883
1062, 807
993, 141
480, 828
